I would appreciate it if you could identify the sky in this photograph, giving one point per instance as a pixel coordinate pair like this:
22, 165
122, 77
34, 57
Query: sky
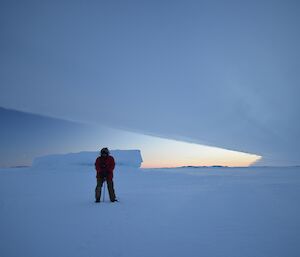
215, 73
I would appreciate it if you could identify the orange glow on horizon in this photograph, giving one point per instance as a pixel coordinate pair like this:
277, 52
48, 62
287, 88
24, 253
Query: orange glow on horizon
171, 164
160, 152
171, 154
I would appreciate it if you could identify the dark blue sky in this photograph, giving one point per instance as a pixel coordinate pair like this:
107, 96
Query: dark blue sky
25, 136
221, 73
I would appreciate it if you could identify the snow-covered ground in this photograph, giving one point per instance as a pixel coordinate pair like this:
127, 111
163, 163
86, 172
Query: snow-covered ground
209, 212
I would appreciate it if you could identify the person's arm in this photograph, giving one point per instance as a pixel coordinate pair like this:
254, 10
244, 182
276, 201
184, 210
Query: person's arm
112, 164
97, 165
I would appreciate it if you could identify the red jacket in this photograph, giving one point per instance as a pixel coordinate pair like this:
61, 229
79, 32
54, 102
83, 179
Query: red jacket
104, 164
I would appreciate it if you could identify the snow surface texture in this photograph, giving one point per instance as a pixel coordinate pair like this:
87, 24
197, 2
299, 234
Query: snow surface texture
212, 212
131, 158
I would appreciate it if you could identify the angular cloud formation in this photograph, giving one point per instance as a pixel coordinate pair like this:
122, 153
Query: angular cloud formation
214, 73
25, 136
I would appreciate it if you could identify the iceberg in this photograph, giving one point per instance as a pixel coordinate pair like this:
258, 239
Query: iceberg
130, 158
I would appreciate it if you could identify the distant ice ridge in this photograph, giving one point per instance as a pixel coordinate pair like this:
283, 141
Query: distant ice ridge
131, 158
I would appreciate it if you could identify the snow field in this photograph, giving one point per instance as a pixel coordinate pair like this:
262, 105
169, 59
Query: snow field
235, 212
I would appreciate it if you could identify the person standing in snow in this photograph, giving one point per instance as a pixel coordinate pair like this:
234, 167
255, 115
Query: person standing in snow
104, 166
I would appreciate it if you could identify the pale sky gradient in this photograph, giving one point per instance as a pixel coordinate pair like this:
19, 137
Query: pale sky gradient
160, 152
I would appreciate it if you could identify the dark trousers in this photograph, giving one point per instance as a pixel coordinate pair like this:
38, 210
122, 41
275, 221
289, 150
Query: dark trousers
110, 187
